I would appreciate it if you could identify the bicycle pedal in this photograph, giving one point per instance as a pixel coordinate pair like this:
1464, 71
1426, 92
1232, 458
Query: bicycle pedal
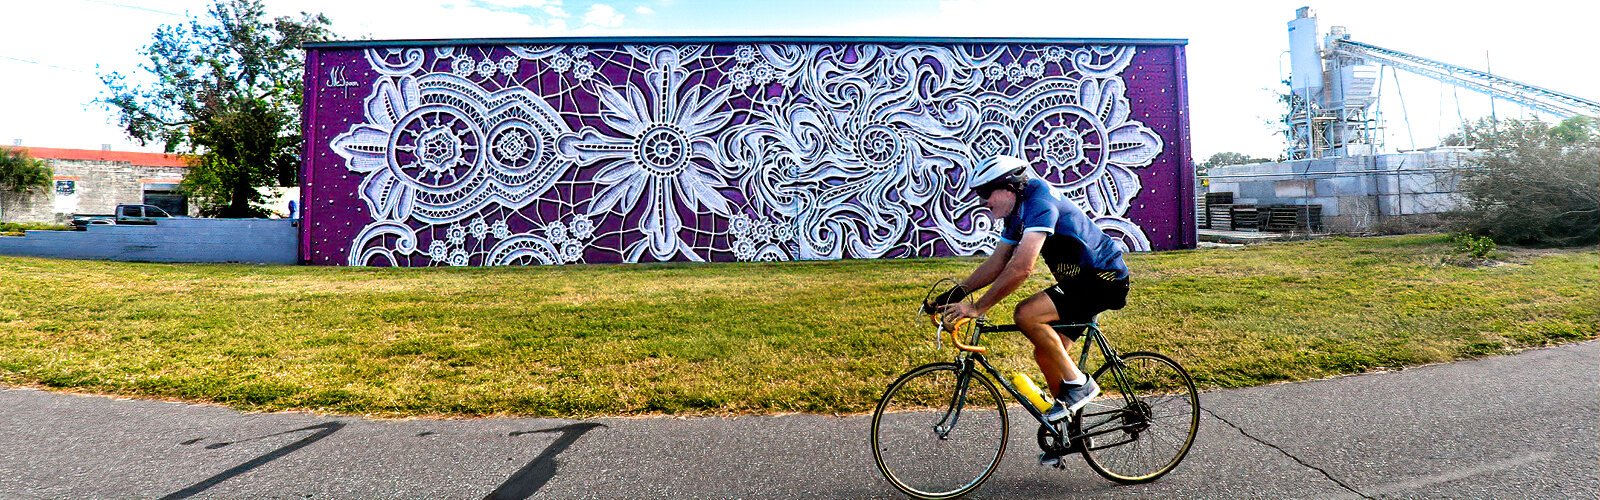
1045, 459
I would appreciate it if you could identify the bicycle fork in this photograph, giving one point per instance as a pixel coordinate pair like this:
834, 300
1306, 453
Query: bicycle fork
958, 400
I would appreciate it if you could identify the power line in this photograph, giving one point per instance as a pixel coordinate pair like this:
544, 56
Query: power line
101, 2
136, 7
47, 65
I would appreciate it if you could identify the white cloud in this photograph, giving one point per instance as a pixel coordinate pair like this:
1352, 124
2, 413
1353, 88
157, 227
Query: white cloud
602, 16
554, 9
644, 10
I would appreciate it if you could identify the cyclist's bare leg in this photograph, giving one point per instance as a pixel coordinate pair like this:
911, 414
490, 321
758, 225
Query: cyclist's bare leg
1033, 317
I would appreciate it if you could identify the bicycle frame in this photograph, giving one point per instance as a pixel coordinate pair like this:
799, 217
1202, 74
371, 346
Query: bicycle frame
970, 353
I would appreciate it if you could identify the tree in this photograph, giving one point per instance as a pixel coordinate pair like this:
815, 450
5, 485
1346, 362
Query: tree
1575, 130
1226, 158
1535, 184
225, 89
21, 173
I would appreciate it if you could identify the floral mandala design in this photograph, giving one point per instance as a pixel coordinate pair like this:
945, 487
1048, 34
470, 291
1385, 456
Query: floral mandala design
1089, 147
439, 148
660, 161
568, 238
760, 240
435, 146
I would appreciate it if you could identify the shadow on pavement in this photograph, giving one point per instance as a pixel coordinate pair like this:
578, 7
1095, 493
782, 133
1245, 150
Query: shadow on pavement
323, 430
527, 481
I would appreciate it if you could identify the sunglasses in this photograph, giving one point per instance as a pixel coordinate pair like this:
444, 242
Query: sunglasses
983, 192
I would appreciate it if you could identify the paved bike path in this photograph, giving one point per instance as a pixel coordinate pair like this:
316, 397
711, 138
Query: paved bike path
1434, 431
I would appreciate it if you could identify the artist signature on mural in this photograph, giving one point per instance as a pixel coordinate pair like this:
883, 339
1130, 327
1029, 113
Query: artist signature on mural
336, 80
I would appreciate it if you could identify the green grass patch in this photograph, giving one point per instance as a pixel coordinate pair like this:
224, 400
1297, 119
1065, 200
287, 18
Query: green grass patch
735, 338
19, 228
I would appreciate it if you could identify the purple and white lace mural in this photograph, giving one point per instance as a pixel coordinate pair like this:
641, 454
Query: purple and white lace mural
553, 154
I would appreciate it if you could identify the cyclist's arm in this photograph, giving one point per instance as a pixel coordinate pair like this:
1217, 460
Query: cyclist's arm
1016, 270
989, 269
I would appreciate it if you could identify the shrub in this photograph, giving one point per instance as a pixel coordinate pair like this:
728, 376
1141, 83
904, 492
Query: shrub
1475, 247
1535, 184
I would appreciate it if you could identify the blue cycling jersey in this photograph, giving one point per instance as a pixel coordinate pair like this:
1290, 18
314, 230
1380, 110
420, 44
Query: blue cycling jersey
1075, 247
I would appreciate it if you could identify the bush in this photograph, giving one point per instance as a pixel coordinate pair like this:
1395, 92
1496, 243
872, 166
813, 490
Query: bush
1535, 185
1475, 247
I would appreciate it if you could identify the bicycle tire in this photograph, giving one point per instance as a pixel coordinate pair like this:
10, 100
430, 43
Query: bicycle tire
908, 412
1162, 392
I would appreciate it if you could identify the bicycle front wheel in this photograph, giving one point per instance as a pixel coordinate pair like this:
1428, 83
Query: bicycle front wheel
1152, 413
939, 431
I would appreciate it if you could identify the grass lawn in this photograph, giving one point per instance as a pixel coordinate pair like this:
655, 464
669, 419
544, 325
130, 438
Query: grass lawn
18, 228
735, 338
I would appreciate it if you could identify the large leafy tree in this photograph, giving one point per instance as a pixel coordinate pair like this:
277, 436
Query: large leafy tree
225, 89
1535, 183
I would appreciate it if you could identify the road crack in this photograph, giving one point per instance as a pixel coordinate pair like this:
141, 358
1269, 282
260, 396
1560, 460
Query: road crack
1287, 454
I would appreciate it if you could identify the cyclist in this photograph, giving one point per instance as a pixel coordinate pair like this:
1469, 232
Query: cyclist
1089, 273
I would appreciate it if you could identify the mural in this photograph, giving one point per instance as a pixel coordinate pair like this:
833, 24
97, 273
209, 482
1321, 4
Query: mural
564, 153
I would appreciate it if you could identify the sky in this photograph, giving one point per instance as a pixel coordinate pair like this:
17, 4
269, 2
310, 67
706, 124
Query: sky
1237, 51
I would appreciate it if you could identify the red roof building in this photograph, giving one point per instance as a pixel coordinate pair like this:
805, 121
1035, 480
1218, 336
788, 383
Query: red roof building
136, 158
90, 181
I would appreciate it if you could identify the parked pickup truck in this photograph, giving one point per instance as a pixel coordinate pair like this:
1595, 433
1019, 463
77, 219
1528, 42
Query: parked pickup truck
126, 214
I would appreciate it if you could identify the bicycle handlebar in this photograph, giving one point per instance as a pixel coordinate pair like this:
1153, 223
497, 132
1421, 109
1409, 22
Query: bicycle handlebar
956, 327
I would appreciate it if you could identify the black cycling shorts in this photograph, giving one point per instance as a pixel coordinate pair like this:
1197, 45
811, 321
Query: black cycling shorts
1079, 301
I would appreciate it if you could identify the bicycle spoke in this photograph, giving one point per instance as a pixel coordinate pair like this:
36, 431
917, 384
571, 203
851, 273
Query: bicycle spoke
1155, 424
924, 460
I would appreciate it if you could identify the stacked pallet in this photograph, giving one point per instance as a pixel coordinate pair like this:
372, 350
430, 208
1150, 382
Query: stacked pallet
1221, 216
1292, 218
1217, 211
1245, 217
1220, 212
1234, 217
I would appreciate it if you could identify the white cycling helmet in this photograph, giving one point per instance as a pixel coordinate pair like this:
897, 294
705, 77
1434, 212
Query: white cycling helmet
996, 168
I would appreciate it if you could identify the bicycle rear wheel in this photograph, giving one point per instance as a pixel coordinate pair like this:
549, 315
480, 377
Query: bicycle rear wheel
933, 438
1155, 412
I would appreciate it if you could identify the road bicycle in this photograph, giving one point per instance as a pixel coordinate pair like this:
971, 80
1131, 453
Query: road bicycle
941, 428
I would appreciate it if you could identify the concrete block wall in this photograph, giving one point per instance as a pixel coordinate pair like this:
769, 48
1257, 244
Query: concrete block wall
257, 241
1357, 194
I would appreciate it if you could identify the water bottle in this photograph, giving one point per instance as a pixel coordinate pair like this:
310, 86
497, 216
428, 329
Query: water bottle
1029, 390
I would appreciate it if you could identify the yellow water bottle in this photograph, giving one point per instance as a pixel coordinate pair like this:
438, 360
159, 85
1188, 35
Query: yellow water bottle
1028, 389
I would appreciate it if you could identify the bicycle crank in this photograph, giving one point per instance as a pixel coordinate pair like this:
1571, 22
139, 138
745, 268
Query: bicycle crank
1059, 443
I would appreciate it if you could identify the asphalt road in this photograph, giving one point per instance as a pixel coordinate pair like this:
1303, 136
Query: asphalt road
1520, 426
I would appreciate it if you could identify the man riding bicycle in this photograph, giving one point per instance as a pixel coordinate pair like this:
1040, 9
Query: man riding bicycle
1087, 265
